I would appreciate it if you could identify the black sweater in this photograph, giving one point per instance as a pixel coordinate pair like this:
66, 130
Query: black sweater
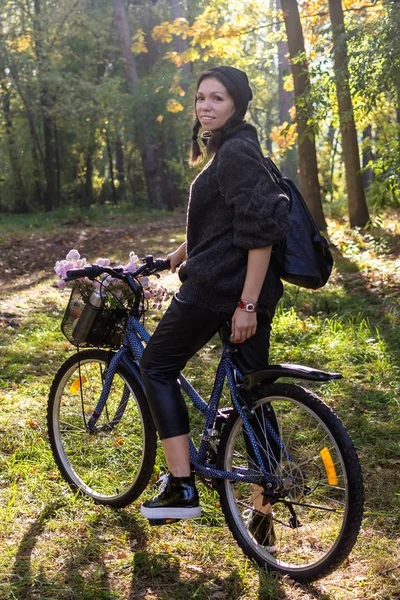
234, 205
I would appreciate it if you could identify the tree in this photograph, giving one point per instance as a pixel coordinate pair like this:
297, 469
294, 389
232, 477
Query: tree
16, 176
46, 101
307, 155
151, 168
181, 44
288, 164
358, 210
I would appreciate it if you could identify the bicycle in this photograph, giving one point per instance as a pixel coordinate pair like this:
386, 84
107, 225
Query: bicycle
279, 453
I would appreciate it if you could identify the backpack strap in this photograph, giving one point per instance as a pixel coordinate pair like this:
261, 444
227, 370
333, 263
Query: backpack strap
268, 162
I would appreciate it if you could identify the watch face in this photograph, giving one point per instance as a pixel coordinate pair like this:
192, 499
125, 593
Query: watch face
247, 306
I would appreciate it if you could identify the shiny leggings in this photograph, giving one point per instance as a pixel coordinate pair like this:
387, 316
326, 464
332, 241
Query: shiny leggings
183, 330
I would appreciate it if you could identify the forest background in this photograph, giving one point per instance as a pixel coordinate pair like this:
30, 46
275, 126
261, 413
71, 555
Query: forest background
97, 98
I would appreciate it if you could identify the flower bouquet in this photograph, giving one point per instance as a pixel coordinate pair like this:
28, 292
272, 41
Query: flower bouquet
117, 299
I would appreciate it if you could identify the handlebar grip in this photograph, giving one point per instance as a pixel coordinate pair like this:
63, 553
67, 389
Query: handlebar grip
161, 264
91, 272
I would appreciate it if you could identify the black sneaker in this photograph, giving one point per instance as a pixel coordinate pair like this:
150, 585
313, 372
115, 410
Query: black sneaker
177, 499
261, 527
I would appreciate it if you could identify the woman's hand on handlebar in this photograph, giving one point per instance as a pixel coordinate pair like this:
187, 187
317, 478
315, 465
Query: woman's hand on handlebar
177, 257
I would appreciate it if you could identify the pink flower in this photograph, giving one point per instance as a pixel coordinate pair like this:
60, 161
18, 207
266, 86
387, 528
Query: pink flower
102, 262
130, 267
118, 288
133, 257
73, 255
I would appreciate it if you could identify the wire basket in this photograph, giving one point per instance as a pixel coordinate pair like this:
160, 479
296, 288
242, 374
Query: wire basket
107, 329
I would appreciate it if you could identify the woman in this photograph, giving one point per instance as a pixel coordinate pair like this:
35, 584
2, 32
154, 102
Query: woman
235, 214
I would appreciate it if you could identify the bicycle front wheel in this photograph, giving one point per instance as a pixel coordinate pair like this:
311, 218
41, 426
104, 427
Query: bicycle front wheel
312, 526
114, 464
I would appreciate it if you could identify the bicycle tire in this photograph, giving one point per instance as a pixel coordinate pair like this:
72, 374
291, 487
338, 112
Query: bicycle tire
321, 538
114, 464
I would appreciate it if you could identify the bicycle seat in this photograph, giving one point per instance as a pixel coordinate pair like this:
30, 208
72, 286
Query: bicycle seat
274, 372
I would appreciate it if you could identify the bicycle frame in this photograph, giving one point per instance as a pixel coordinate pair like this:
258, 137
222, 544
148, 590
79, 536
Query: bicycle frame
135, 336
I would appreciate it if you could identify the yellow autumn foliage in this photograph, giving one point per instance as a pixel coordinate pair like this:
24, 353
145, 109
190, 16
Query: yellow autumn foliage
181, 27
288, 83
284, 137
176, 86
174, 106
175, 57
163, 32
139, 45
24, 43
190, 55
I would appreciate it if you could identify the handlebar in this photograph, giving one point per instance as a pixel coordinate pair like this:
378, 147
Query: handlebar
92, 271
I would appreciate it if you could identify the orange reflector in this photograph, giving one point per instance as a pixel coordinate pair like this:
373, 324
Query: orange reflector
329, 466
77, 384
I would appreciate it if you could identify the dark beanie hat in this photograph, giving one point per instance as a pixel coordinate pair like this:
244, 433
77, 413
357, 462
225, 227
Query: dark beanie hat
240, 80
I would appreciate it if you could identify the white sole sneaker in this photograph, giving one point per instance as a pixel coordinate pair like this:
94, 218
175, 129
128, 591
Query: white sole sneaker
170, 512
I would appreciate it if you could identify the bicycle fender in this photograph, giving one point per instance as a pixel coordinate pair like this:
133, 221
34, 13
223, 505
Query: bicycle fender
133, 369
274, 372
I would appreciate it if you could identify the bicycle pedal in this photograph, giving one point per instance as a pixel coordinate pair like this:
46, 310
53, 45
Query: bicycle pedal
157, 522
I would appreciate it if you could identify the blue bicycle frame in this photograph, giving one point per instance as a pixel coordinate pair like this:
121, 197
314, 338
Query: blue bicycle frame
135, 338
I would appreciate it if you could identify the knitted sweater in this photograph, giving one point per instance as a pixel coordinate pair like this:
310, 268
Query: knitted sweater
234, 205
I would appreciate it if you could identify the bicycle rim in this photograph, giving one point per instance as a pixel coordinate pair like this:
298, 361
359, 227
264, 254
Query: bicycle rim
317, 525
114, 464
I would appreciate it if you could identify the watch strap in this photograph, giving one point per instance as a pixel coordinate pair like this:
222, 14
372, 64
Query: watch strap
249, 307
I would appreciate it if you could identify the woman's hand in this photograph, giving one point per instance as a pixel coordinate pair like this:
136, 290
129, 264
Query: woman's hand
177, 257
244, 325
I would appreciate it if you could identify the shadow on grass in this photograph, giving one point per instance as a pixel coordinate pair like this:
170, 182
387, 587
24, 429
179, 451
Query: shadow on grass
161, 575
84, 572
376, 303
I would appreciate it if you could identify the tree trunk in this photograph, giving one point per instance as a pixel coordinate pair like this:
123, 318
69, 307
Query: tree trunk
288, 164
398, 117
358, 210
88, 190
308, 169
50, 162
181, 45
120, 167
367, 174
151, 168
111, 166
20, 204
58, 162
37, 196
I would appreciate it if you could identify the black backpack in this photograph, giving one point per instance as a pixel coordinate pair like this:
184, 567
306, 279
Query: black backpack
303, 258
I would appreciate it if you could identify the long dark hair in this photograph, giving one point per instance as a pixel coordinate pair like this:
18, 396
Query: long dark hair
213, 143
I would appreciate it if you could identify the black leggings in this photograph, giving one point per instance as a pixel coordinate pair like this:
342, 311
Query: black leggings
183, 330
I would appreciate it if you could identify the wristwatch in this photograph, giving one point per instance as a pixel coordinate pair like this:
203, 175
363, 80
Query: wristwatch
249, 307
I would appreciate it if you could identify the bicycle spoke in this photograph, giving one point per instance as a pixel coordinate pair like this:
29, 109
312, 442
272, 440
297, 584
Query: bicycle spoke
308, 521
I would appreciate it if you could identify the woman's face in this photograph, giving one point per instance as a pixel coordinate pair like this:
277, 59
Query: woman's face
214, 105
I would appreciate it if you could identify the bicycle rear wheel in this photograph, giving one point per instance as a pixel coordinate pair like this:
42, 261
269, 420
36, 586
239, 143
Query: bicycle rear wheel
114, 464
315, 525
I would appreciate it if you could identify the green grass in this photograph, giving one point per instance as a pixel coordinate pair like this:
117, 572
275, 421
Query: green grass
69, 216
55, 545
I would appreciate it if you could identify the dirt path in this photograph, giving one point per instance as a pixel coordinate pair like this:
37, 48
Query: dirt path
27, 259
